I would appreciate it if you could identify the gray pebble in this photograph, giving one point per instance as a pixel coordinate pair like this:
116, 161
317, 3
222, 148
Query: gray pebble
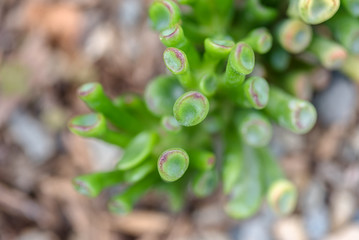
130, 12
316, 222
30, 134
337, 103
256, 228
315, 212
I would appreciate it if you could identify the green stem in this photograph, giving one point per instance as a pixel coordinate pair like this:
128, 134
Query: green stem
352, 6
204, 183
346, 30
123, 203
253, 127
135, 105
257, 13
138, 150
246, 197
281, 194
92, 184
93, 95
94, 126
330, 54
177, 62
140, 171
297, 115
350, 68
175, 193
297, 83
201, 159
233, 163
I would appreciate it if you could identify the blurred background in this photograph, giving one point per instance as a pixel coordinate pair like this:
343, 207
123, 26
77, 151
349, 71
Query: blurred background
48, 48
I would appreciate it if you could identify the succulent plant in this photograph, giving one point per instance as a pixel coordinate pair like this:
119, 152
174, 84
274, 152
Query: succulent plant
234, 69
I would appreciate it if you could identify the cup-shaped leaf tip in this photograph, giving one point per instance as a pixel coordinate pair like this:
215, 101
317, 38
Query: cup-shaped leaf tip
294, 35
242, 58
260, 40
173, 36
164, 14
282, 196
257, 92
83, 187
254, 128
303, 116
218, 47
172, 164
264, 43
170, 124
317, 11
191, 108
89, 125
175, 60
91, 90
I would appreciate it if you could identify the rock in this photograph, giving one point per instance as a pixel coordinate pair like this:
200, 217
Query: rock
284, 141
348, 233
256, 228
104, 156
209, 235
129, 12
347, 153
327, 146
297, 167
36, 234
355, 218
209, 215
343, 205
100, 42
30, 134
314, 195
331, 173
320, 78
351, 177
316, 222
354, 141
336, 104
315, 212
289, 228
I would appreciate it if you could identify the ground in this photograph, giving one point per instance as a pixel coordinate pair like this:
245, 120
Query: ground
48, 48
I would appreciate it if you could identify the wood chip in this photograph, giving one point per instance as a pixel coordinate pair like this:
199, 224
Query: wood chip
141, 222
16, 203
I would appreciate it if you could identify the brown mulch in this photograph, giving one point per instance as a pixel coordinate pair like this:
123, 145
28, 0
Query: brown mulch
57, 45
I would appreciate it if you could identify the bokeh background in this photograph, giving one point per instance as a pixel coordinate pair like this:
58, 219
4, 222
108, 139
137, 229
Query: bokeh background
48, 48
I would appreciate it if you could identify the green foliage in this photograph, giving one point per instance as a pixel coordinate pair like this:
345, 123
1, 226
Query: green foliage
229, 79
